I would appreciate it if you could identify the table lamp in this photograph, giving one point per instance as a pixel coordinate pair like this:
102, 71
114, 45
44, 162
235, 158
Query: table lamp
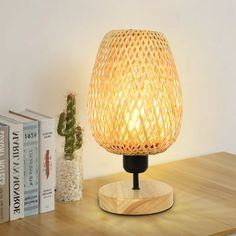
135, 109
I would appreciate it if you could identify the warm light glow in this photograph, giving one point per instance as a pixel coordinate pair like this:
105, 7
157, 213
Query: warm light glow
135, 102
134, 121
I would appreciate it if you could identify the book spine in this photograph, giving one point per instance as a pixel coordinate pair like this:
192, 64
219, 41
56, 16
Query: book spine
47, 165
31, 163
4, 175
16, 172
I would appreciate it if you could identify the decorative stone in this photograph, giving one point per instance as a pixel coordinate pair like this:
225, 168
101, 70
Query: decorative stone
69, 178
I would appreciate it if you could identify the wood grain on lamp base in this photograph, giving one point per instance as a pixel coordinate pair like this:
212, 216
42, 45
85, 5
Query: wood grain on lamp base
120, 198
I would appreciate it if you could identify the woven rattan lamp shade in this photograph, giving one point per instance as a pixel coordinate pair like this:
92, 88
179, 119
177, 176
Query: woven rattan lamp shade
135, 102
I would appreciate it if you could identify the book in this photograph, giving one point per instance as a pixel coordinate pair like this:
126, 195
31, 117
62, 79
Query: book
47, 160
4, 174
31, 163
16, 168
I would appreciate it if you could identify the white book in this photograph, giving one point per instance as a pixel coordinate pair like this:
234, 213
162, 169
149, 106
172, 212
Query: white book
31, 163
47, 160
16, 167
4, 174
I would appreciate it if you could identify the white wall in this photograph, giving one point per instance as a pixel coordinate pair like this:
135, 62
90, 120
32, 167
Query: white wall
48, 47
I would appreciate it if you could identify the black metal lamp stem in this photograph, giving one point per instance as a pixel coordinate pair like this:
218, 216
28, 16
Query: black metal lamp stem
135, 181
135, 165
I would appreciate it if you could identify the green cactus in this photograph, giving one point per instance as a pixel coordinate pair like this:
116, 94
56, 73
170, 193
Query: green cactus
68, 127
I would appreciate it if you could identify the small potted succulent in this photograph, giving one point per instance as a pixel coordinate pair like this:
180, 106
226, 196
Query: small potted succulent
69, 164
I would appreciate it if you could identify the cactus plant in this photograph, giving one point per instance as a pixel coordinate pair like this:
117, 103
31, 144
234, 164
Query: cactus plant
68, 128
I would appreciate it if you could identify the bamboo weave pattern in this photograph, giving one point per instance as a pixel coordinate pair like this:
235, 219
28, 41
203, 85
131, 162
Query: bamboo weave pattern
135, 100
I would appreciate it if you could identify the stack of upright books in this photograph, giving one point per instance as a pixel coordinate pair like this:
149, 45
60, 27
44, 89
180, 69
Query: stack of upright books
27, 164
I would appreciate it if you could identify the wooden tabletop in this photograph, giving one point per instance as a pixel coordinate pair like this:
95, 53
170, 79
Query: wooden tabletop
205, 203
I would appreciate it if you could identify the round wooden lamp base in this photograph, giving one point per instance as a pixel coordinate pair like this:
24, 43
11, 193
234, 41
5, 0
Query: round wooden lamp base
152, 197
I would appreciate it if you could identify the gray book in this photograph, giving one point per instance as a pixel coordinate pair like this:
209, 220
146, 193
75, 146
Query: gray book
31, 163
4, 174
16, 167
